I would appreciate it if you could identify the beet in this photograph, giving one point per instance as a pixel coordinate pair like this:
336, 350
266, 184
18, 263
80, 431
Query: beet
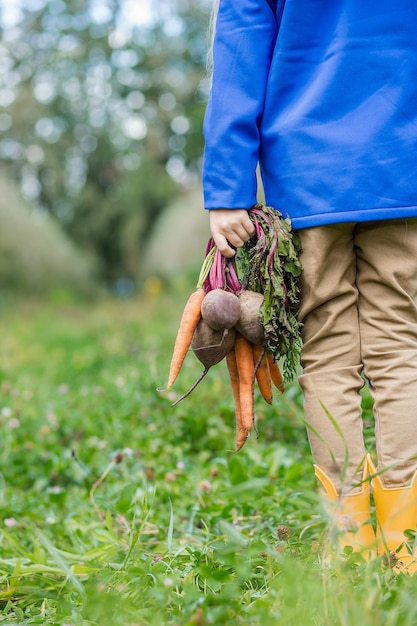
220, 309
250, 321
211, 346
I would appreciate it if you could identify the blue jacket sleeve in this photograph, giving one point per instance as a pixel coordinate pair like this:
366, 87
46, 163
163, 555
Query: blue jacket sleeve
244, 40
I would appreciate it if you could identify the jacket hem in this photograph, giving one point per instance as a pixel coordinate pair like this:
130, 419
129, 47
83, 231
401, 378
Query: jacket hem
362, 215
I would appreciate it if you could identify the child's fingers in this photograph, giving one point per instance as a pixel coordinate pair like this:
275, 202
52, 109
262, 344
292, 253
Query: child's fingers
223, 246
230, 229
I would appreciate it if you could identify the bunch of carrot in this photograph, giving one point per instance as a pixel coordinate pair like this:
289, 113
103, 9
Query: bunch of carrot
249, 364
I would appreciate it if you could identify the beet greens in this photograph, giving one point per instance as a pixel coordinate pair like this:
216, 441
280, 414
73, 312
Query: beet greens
219, 272
270, 265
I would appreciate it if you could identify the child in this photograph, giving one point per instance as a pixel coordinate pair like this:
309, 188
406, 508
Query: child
322, 94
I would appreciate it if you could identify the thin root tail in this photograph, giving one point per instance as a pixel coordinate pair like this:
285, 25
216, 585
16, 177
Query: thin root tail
197, 382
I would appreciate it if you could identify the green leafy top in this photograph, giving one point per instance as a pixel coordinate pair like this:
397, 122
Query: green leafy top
270, 264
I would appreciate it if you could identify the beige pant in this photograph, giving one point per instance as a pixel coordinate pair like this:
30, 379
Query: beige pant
359, 310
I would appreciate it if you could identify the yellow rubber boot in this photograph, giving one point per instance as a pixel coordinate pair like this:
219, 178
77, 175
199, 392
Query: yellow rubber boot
350, 515
396, 512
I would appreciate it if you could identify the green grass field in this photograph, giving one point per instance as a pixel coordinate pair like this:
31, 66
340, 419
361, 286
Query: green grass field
117, 509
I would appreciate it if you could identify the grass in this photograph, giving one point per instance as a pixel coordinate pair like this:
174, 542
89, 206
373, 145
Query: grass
117, 509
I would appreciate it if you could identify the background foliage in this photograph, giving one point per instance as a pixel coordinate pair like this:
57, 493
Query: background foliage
119, 510
101, 106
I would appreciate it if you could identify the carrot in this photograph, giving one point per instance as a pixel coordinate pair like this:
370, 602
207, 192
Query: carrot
246, 369
275, 372
263, 375
190, 317
234, 382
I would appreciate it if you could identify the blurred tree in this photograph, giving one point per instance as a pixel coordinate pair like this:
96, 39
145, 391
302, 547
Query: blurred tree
101, 105
35, 254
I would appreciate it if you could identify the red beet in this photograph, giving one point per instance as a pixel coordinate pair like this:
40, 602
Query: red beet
220, 309
250, 321
211, 346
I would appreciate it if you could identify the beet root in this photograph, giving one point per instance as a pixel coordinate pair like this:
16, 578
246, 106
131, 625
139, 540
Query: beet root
211, 346
250, 321
220, 309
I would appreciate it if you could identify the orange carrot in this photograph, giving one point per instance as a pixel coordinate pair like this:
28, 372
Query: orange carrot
190, 317
246, 369
263, 375
234, 382
275, 372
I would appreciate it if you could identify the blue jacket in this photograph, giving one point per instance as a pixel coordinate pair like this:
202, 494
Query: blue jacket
323, 94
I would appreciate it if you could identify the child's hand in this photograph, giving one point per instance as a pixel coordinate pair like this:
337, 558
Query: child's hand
230, 229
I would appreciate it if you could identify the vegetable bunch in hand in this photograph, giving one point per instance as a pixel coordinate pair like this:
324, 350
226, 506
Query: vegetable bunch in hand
245, 316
